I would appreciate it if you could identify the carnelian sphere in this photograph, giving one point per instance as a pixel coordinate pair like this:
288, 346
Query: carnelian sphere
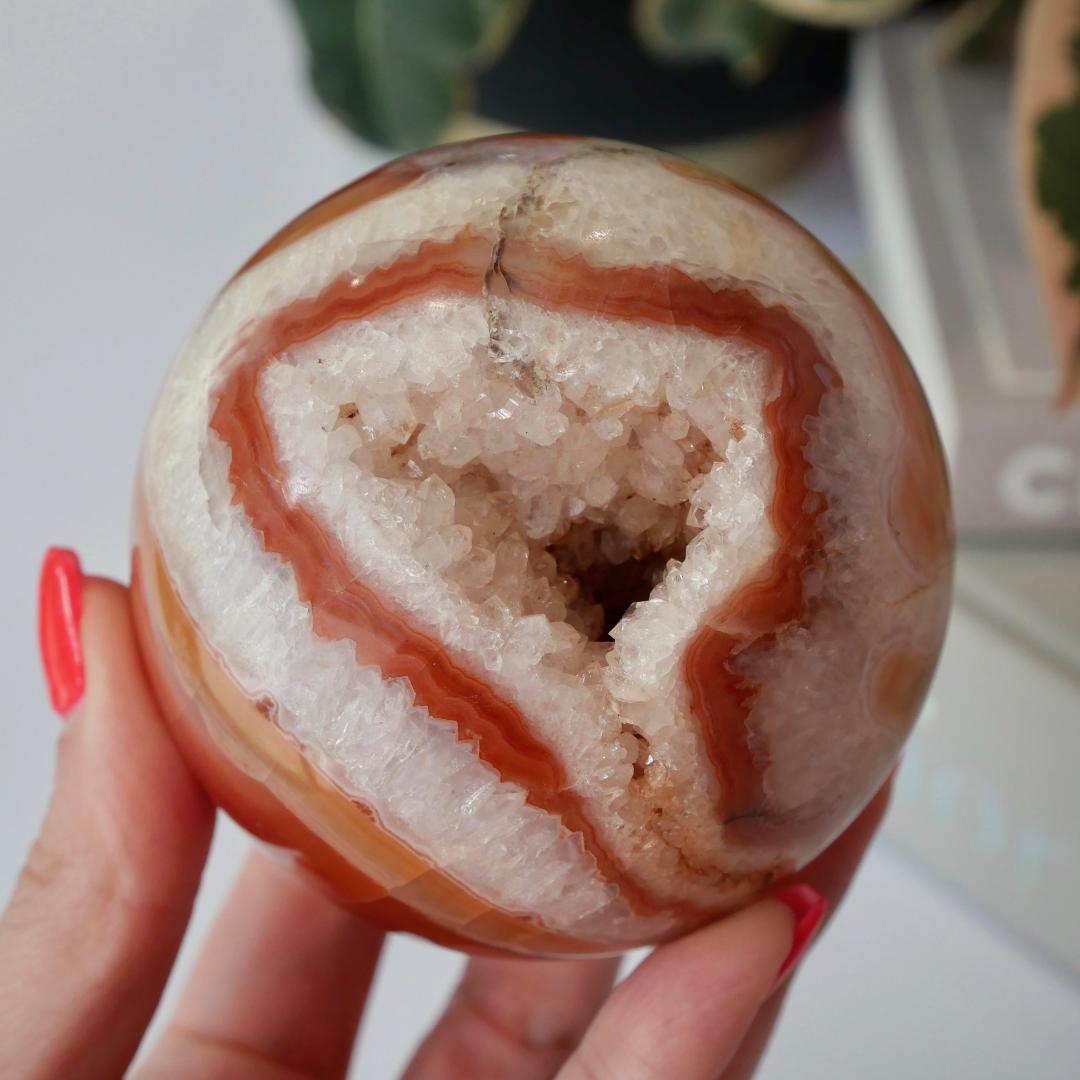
545, 539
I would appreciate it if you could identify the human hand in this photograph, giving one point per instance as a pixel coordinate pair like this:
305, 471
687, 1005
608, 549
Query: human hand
92, 930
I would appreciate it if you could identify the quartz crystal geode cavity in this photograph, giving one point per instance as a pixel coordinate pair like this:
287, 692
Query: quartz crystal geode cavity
547, 540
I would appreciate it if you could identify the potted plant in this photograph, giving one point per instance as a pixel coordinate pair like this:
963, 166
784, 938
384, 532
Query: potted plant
742, 85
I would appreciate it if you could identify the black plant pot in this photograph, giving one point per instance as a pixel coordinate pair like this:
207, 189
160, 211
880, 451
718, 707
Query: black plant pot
578, 67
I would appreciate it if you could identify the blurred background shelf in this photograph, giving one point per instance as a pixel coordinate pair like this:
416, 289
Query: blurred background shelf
987, 796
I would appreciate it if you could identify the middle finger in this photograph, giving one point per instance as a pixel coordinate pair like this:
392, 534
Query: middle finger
519, 1018
279, 987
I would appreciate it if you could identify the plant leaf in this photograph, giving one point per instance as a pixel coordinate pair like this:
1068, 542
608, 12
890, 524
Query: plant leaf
332, 62
840, 13
742, 32
976, 30
394, 70
1057, 169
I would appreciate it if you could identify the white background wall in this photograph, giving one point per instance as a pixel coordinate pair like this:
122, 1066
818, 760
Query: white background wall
145, 151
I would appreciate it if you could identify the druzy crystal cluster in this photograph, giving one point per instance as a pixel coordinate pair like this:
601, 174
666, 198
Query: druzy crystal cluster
547, 541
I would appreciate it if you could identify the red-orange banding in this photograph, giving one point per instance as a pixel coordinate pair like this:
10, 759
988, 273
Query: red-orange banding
223, 733
720, 696
344, 608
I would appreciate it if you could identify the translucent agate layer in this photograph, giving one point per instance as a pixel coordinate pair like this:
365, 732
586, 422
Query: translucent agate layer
545, 539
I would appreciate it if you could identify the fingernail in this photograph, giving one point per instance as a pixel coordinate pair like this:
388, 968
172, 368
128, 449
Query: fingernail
809, 907
59, 614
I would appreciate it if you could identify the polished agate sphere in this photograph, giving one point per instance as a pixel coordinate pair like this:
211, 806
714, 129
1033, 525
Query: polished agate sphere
547, 541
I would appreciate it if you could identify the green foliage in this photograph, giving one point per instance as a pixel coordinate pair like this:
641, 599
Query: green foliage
395, 70
1057, 168
1057, 175
977, 30
742, 32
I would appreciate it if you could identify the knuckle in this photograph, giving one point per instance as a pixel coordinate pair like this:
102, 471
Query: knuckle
46, 872
44, 866
60, 885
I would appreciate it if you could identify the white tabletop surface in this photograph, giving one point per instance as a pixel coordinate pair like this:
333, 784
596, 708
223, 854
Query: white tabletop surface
145, 151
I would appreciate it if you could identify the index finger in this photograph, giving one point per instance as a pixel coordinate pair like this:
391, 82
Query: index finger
91, 932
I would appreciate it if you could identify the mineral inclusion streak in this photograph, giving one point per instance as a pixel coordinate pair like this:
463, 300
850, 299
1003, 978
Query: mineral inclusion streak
546, 540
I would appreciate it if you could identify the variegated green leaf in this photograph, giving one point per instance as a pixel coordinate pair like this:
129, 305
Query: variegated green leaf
743, 32
1058, 174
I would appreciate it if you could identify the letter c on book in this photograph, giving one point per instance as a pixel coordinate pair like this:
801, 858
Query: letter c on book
1035, 483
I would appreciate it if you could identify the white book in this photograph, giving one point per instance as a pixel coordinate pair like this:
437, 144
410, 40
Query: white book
989, 793
935, 176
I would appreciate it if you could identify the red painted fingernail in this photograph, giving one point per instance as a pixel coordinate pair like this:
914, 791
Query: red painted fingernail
809, 907
59, 614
